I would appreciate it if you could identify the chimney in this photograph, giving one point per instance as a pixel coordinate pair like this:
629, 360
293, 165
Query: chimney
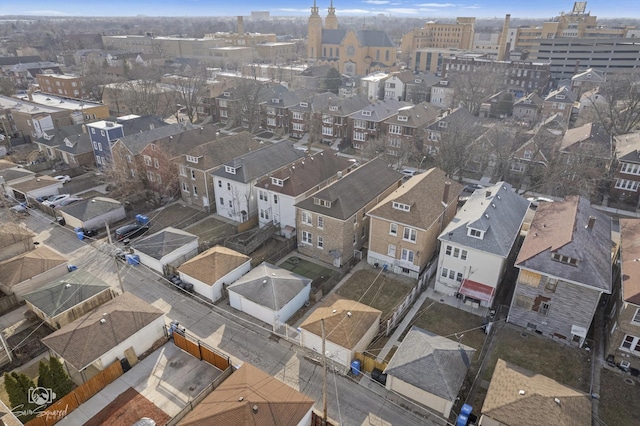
152, 126
240, 26
592, 221
445, 195
30, 93
502, 45
84, 129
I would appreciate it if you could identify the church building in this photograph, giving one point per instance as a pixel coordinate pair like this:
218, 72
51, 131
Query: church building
349, 50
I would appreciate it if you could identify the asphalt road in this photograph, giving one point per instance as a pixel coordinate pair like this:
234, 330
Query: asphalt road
349, 402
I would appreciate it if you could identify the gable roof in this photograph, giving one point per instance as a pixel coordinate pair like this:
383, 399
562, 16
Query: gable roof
589, 132
213, 264
415, 115
424, 193
306, 173
430, 362
340, 328
537, 405
629, 254
164, 242
562, 227
55, 137
177, 144
62, 295
270, 286
501, 224
232, 403
258, 163
532, 100
28, 265
589, 75
566, 96
86, 339
380, 110
219, 151
15, 173
628, 147
90, 208
132, 124
366, 38
135, 142
353, 191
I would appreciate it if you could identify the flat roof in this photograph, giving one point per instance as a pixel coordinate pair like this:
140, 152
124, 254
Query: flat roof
63, 103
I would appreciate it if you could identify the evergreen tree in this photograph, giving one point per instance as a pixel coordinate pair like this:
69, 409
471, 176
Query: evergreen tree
44, 376
18, 387
333, 80
61, 382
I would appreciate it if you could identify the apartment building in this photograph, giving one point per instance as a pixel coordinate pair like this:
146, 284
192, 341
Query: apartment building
68, 86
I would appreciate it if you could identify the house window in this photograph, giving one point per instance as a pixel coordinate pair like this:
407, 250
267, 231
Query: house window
147, 160
297, 115
459, 277
150, 176
475, 233
228, 186
185, 188
193, 174
320, 222
158, 178
230, 170
219, 184
394, 129
444, 273
410, 234
320, 242
230, 204
359, 136
626, 184
262, 195
463, 255
551, 285
448, 250
183, 171
307, 238
221, 200
630, 343
456, 252
393, 229
391, 250
275, 199
636, 317
307, 218
629, 168
400, 206
99, 146
544, 309
407, 255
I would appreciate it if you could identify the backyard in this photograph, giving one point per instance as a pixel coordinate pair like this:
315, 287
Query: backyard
318, 273
619, 396
210, 229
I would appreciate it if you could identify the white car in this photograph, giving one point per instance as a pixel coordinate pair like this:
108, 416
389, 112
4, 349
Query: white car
55, 200
410, 173
62, 178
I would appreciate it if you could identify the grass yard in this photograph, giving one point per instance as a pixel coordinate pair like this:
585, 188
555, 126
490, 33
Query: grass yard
618, 399
383, 291
317, 273
446, 320
177, 215
211, 229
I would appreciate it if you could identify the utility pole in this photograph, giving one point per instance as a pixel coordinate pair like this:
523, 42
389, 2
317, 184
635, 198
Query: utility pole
115, 261
324, 376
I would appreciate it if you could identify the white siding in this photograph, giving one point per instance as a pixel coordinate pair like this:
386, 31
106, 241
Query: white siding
421, 396
242, 197
214, 292
256, 310
183, 253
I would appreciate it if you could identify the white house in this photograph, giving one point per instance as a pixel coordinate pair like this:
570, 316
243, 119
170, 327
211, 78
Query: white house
280, 191
371, 84
93, 213
97, 339
349, 327
442, 94
476, 244
170, 246
429, 369
233, 183
270, 293
211, 270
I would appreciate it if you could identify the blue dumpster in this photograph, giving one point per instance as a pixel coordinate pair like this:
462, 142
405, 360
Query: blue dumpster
355, 367
132, 259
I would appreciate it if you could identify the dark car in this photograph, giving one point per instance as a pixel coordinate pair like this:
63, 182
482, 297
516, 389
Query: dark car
468, 190
131, 231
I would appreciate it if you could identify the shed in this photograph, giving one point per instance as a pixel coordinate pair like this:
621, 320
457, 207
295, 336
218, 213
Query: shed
170, 246
349, 327
270, 293
93, 213
65, 300
100, 337
429, 369
211, 270
30, 271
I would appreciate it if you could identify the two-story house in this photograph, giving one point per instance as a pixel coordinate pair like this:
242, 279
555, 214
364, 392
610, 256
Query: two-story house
527, 109
442, 94
332, 224
587, 80
451, 123
234, 182
276, 110
626, 175
564, 269
559, 102
419, 89
395, 86
479, 243
196, 165
367, 124
405, 131
405, 225
304, 116
335, 118
71, 144
624, 320
279, 192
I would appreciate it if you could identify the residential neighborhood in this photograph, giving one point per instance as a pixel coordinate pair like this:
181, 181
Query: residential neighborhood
313, 218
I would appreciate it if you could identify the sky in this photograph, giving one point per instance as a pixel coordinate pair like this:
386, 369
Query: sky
393, 8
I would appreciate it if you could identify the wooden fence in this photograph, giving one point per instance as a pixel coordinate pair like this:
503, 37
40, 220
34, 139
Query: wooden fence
369, 361
8, 303
200, 350
61, 408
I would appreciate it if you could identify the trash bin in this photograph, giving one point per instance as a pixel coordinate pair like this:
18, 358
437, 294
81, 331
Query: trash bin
61, 220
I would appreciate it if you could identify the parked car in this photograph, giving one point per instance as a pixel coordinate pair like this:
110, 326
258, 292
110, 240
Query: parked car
55, 200
129, 232
67, 201
62, 178
410, 173
45, 197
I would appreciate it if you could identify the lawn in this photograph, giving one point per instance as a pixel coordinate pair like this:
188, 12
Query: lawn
297, 265
210, 229
177, 215
618, 399
445, 320
383, 291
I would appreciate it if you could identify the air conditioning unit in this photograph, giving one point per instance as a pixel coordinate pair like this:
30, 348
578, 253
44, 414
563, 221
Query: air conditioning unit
624, 365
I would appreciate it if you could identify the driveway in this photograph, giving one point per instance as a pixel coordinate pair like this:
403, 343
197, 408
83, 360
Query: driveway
168, 377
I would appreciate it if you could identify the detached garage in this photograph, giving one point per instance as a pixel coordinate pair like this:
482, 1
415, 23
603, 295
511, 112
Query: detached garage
169, 247
270, 294
39, 187
94, 213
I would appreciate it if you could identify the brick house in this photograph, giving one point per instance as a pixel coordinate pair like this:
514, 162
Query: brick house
335, 123
196, 165
564, 269
71, 144
68, 86
528, 108
626, 175
404, 132
367, 124
405, 225
559, 102
332, 224
624, 319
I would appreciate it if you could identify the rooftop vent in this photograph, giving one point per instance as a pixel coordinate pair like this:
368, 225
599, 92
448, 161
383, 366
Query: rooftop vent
103, 321
521, 392
254, 407
349, 314
241, 399
67, 285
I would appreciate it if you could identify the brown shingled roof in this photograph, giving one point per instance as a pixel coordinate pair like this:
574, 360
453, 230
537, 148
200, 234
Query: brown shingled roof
629, 254
213, 264
26, 266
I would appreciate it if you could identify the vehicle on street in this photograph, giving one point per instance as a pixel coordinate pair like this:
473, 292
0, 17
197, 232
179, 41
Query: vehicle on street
55, 200
62, 178
410, 173
129, 232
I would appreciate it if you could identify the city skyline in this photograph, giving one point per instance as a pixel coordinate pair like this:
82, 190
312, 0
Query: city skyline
543, 9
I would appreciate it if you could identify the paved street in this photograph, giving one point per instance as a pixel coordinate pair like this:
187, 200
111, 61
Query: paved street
348, 402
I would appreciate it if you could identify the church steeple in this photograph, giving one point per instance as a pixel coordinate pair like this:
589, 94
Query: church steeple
314, 34
315, 9
331, 21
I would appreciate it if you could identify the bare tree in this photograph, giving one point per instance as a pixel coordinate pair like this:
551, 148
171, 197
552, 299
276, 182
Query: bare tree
189, 91
619, 113
471, 88
7, 87
245, 108
452, 149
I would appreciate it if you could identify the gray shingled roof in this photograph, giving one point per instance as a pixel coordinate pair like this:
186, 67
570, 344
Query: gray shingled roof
162, 243
57, 136
60, 296
260, 162
94, 207
135, 142
501, 223
371, 38
380, 110
270, 286
141, 124
353, 191
431, 362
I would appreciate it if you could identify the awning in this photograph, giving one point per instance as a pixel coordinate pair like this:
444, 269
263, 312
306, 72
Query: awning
477, 290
